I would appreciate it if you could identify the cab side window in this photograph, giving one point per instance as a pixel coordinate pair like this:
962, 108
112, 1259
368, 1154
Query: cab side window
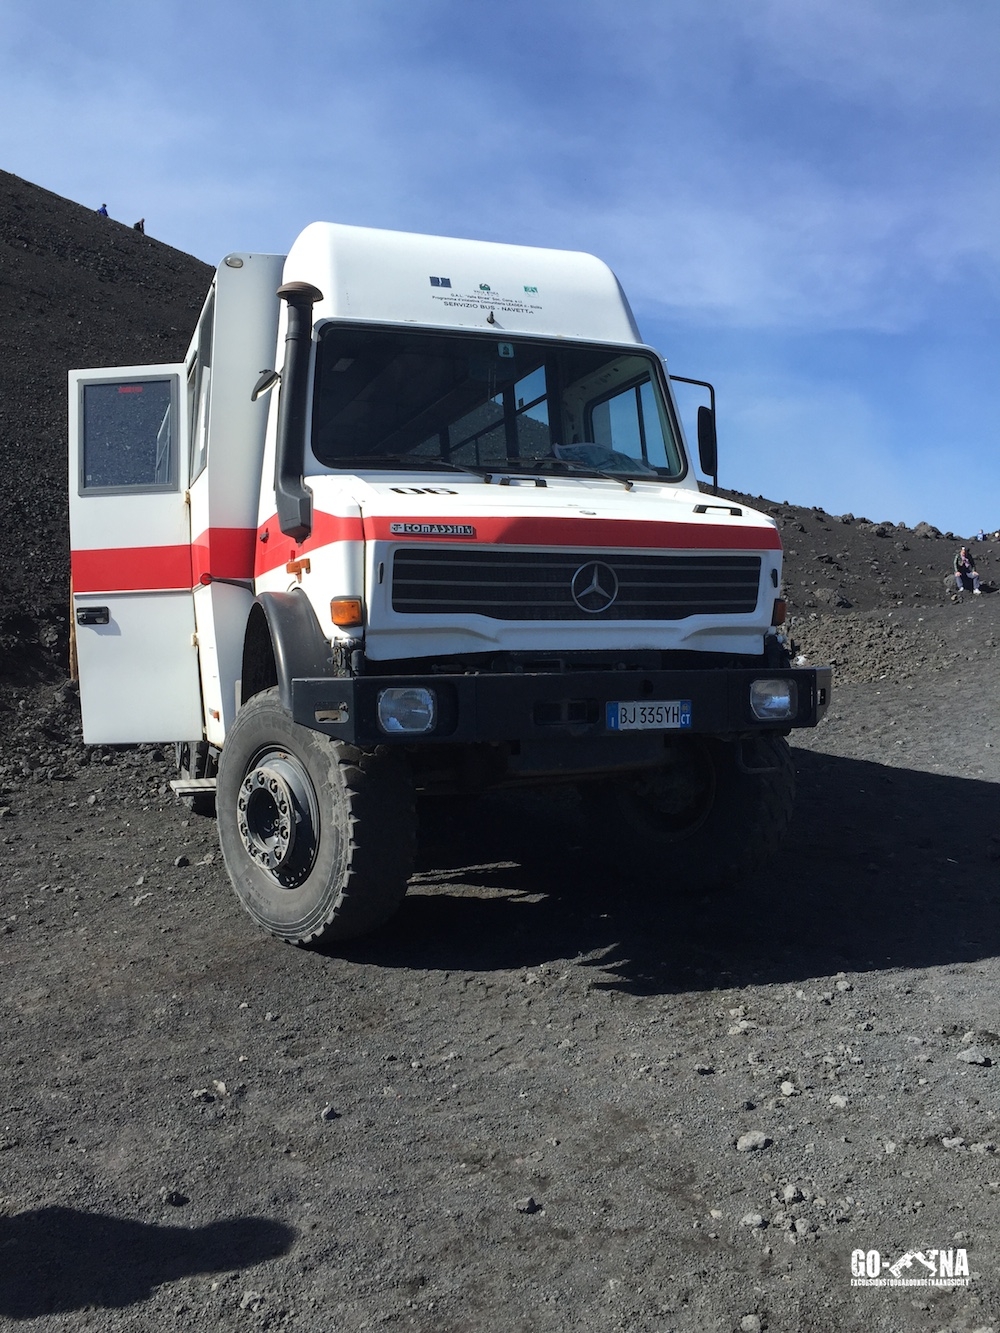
129, 439
630, 422
201, 391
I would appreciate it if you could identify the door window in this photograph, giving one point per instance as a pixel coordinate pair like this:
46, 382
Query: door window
129, 437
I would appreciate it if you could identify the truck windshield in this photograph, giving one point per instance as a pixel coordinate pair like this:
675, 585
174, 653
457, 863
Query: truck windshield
480, 401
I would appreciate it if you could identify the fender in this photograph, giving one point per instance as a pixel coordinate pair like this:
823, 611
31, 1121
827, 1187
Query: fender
283, 640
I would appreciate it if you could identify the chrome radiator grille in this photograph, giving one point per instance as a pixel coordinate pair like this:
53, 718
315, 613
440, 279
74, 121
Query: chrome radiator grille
571, 585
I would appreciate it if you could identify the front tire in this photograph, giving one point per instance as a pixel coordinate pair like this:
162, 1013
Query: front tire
715, 813
318, 837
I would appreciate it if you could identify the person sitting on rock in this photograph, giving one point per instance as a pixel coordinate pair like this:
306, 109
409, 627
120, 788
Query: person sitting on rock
966, 574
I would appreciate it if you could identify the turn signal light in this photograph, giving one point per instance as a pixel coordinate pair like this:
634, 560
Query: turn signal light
345, 612
778, 614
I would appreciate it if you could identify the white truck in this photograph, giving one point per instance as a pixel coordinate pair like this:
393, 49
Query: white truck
416, 515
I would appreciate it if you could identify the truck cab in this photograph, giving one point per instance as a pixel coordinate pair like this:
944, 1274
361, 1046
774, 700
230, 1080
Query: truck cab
417, 515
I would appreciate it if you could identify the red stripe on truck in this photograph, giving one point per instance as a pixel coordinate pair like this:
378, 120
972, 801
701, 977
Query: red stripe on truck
240, 553
226, 553
274, 549
132, 569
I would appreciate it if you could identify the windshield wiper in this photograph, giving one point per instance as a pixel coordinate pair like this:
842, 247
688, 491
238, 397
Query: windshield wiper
414, 461
584, 469
511, 468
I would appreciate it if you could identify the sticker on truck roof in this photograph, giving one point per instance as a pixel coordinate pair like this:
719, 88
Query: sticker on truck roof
485, 297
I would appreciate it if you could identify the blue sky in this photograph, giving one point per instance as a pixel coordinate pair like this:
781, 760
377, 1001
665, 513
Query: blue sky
801, 197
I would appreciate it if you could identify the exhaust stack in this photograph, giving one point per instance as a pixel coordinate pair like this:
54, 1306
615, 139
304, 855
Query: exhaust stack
294, 498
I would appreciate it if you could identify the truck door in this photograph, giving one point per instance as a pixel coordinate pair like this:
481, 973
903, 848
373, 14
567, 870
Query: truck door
130, 540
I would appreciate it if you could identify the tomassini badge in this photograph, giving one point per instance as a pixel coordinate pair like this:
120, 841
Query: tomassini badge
432, 529
594, 586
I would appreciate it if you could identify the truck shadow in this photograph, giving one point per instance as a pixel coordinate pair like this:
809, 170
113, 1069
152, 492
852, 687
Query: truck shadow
55, 1260
883, 868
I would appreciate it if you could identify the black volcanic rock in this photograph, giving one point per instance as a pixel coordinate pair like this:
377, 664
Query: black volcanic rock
76, 290
877, 600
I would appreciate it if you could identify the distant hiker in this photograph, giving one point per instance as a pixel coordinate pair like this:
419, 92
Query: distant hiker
966, 574
103, 210
140, 226
982, 535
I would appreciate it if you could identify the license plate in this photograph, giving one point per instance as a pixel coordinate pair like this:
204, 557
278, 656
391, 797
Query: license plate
653, 715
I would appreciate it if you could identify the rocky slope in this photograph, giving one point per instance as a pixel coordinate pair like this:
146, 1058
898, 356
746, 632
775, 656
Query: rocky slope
76, 290
875, 599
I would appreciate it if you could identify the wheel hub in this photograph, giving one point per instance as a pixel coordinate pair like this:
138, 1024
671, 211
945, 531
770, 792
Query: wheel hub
267, 816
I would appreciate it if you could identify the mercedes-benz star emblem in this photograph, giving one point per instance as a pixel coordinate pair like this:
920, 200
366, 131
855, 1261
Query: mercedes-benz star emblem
594, 586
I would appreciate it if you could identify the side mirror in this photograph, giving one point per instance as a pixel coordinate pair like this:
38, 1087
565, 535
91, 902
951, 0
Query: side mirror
708, 448
268, 379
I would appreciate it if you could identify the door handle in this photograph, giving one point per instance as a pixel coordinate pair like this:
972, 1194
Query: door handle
93, 615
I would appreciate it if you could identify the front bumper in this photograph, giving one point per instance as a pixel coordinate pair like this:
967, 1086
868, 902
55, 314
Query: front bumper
547, 706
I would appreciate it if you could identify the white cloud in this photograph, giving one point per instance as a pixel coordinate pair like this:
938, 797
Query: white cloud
807, 164
765, 164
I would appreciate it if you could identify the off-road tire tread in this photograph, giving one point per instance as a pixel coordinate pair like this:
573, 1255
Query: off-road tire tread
775, 799
743, 831
374, 789
379, 867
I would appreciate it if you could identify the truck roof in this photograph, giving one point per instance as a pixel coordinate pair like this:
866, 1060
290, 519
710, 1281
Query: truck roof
396, 277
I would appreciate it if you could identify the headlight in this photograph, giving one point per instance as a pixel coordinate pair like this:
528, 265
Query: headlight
774, 700
411, 709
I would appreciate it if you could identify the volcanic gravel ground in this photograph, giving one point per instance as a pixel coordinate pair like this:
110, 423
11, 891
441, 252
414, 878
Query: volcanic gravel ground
519, 1106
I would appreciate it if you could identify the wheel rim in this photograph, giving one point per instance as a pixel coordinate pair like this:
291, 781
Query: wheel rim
277, 816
